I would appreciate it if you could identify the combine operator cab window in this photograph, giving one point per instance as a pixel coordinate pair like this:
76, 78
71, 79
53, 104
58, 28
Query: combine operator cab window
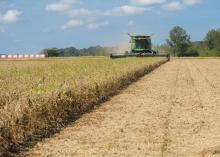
141, 44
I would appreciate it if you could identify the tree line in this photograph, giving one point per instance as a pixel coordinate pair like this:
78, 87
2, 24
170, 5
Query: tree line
72, 51
179, 43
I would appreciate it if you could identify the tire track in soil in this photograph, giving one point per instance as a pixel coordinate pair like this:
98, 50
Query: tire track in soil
196, 89
184, 126
206, 79
208, 66
211, 97
210, 70
167, 122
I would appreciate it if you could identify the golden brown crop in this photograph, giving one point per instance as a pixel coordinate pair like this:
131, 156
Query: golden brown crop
37, 96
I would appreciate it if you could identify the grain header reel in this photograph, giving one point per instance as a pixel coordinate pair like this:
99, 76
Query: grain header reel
141, 46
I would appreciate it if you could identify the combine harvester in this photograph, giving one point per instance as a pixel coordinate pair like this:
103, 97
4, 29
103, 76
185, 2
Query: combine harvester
141, 46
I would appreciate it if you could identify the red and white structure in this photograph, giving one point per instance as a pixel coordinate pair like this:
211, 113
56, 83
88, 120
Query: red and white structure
21, 56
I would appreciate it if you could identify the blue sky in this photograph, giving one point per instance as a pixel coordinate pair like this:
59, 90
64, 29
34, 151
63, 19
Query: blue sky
28, 26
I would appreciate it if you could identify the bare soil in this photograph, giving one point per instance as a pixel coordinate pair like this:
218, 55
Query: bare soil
172, 112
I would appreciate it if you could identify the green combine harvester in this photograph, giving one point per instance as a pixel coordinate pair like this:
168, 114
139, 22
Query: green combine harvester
141, 46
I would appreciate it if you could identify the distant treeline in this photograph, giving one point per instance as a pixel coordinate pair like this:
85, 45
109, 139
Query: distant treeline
179, 44
72, 51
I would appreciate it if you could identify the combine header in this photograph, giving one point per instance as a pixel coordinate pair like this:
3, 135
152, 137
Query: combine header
141, 46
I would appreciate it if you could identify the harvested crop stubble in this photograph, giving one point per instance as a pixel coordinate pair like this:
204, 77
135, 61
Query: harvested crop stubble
37, 96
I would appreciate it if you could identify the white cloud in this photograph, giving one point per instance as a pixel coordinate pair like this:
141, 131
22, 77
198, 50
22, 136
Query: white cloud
125, 11
10, 16
89, 17
147, 2
178, 5
73, 24
153, 2
172, 6
90, 24
81, 12
191, 2
62, 5
97, 24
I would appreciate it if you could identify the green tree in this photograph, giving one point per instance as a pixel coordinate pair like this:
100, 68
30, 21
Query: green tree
69, 51
51, 52
179, 40
212, 39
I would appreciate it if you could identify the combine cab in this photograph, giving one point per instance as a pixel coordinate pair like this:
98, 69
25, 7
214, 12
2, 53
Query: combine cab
141, 46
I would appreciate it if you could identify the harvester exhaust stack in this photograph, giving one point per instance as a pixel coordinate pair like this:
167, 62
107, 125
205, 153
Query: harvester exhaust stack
141, 46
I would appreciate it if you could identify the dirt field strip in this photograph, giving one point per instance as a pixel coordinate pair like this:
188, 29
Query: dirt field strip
172, 112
